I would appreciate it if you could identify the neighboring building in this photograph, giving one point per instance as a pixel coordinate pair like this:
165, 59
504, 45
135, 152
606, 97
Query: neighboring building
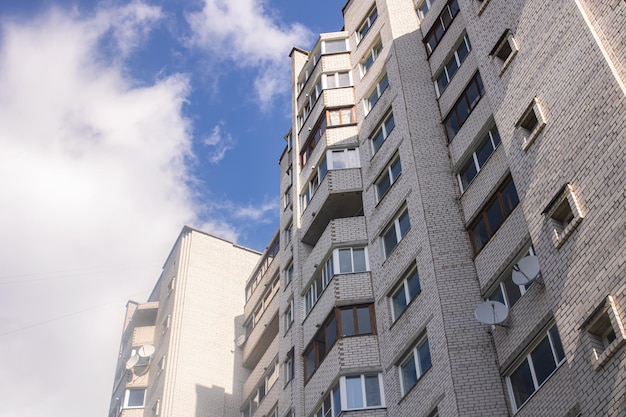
177, 356
437, 149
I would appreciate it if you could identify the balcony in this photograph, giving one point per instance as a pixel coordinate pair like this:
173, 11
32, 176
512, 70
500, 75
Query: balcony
339, 195
262, 335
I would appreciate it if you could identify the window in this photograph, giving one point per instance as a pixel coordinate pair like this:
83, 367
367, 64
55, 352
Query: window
288, 233
342, 322
343, 260
134, 398
337, 80
531, 123
156, 408
452, 65
495, 212
331, 404
479, 158
289, 174
165, 324
564, 215
507, 292
288, 272
288, 367
413, 365
370, 57
604, 328
423, 8
334, 45
389, 176
331, 117
287, 199
263, 387
375, 94
366, 25
464, 106
361, 391
441, 25
171, 285
394, 233
264, 303
288, 316
505, 50
161, 365
382, 131
334, 159
535, 368
405, 292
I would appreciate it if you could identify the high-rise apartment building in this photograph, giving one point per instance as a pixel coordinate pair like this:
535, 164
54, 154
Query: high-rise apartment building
452, 237
177, 356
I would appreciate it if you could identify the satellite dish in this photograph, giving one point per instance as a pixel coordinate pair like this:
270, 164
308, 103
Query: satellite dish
526, 270
145, 351
491, 312
240, 340
132, 361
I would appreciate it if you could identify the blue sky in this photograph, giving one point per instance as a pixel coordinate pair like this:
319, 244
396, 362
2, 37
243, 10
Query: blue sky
120, 122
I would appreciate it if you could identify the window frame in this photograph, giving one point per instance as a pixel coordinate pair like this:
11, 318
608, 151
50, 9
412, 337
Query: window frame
493, 137
343, 384
127, 398
413, 355
370, 57
455, 119
382, 131
404, 287
366, 24
388, 172
421, 11
440, 25
375, 93
483, 214
562, 228
456, 58
506, 40
395, 225
526, 358
505, 283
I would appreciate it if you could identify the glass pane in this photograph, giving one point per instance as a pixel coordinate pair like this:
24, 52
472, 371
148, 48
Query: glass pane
378, 140
509, 197
389, 124
405, 223
452, 67
334, 117
354, 393
327, 406
390, 241
442, 81
413, 282
454, 8
497, 295
543, 361
495, 136
336, 402
556, 343
479, 235
462, 109
384, 83
346, 116
372, 391
452, 125
468, 173
399, 301
409, 374
322, 170
484, 152
339, 159
363, 320
358, 256
331, 81
383, 185
344, 79
462, 51
368, 62
495, 217
423, 353
522, 384
347, 323
513, 293
353, 158
345, 260
396, 169
136, 397
309, 362
331, 333
335, 46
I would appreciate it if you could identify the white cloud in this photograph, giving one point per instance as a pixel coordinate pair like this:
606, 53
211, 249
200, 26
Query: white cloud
248, 34
94, 191
258, 213
219, 142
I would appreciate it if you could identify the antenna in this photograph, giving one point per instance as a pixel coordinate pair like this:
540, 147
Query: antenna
526, 270
146, 351
491, 312
240, 340
132, 361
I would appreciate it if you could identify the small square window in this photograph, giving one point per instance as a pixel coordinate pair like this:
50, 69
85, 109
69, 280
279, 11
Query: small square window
606, 332
531, 123
505, 50
564, 215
